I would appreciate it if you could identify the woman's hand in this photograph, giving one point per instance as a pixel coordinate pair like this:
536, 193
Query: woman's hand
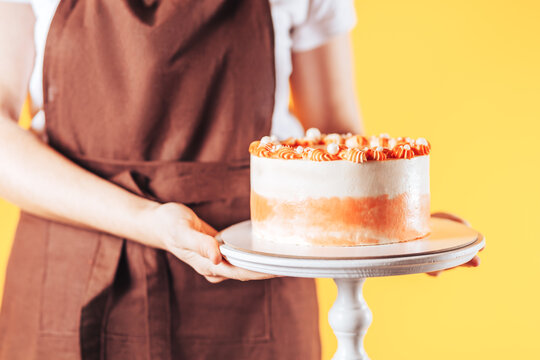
191, 240
475, 261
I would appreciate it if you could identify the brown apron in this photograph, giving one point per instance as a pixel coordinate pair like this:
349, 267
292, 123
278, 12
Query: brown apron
161, 98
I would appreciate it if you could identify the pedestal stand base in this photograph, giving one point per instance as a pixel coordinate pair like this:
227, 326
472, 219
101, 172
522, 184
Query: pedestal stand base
350, 318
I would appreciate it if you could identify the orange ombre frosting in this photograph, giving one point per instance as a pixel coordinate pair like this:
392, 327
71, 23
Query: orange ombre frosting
355, 148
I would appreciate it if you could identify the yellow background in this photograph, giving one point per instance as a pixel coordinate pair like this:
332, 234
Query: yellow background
466, 75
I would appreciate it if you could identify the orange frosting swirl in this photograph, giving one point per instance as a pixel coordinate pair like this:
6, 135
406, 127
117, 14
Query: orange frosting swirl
333, 139
355, 148
321, 155
253, 146
264, 151
342, 149
377, 154
306, 142
384, 141
357, 141
403, 151
290, 141
354, 154
287, 153
421, 149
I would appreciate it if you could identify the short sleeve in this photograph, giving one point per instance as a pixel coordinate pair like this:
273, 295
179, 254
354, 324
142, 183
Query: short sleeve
325, 19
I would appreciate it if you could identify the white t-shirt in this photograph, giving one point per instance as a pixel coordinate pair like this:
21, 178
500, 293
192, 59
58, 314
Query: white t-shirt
299, 25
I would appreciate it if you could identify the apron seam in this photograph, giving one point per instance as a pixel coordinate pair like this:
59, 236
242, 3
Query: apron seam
44, 278
146, 307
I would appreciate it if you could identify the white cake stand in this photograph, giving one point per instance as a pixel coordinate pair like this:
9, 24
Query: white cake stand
449, 244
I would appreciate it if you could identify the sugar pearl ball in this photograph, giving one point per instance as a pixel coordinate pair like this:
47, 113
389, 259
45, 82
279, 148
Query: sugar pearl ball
406, 147
335, 138
299, 149
332, 148
352, 142
313, 134
374, 141
266, 140
421, 141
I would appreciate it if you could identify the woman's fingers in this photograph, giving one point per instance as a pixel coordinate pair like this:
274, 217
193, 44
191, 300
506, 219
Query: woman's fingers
197, 258
204, 245
215, 279
233, 272
221, 271
192, 241
444, 215
474, 262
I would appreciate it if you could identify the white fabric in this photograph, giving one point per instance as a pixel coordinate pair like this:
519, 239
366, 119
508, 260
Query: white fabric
299, 25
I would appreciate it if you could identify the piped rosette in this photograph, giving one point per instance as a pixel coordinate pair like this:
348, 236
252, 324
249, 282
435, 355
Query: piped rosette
315, 146
288, 153
402, 151
354, 155
377, 153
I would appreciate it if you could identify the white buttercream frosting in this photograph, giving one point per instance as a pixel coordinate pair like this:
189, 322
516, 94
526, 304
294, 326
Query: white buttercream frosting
300, 179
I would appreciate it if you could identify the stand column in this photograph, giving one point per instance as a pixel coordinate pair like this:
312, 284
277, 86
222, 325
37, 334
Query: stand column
350, 318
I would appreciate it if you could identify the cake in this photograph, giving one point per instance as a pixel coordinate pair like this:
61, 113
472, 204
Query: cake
340, 189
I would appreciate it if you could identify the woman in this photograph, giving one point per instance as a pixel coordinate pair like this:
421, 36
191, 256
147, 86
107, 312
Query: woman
143, 114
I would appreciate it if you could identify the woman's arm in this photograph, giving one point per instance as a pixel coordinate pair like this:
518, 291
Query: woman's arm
41, 181
17, 59
322, 85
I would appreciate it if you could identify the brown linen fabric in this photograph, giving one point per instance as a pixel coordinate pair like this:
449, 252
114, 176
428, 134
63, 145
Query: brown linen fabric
161, 98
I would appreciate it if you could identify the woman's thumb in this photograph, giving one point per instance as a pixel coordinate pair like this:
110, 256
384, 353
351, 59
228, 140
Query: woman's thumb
207, 247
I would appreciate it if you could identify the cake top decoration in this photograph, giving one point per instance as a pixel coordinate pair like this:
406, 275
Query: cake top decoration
316, 146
